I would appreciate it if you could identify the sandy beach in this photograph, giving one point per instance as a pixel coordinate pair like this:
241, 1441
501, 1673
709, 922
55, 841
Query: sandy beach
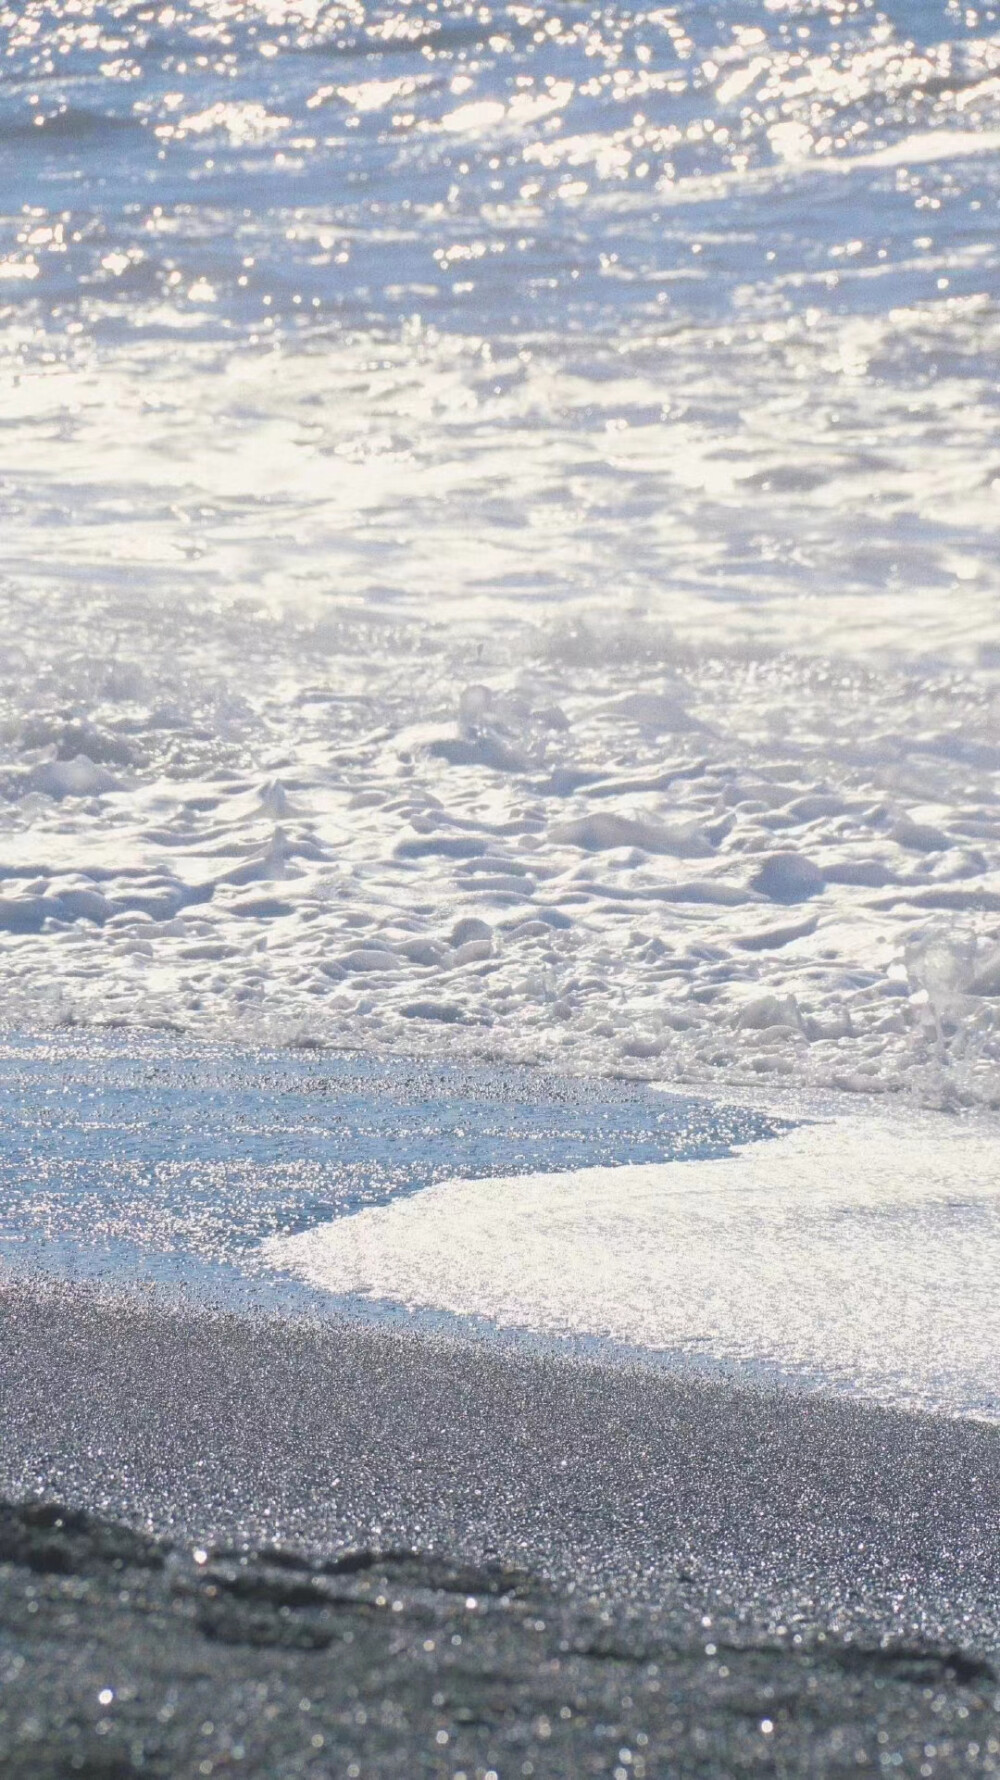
499, 889
821, 1568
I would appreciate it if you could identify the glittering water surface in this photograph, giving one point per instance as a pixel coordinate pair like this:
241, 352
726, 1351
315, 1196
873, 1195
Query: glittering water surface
498, 530
127, 1160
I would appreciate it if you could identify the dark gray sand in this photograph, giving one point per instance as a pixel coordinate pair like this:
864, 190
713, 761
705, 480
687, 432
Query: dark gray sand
787, 1584
119, 1657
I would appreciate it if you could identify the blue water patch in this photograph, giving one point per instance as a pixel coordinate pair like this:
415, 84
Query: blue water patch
150, 1159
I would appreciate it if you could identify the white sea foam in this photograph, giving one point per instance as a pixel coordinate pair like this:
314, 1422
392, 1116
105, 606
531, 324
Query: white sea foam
852, 1255
536, 471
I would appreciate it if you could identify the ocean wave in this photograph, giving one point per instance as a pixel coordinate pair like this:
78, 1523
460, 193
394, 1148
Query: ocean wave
70, 126
535, 473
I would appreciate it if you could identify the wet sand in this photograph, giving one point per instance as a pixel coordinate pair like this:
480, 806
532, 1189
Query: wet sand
817, 1538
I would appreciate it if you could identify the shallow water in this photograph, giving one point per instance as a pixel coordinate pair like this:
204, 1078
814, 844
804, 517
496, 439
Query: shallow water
499, 1204
530, 466
150, 1163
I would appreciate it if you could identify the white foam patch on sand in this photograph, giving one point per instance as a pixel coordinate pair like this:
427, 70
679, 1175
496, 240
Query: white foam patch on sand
860, 1255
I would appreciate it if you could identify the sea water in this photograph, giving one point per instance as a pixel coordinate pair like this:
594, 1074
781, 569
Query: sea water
136, 1161
499, 532
855, 1253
